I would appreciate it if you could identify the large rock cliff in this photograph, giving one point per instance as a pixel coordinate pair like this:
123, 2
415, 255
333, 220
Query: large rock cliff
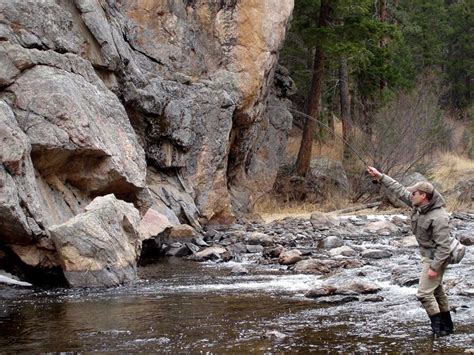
166, 103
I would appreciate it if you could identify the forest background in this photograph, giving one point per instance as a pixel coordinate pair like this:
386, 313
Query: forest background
390, 82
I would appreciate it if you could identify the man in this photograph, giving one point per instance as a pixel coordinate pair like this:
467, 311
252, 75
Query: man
429, 221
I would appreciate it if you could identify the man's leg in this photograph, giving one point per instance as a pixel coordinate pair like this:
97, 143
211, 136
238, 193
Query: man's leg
441, 298
446, 320
426, 295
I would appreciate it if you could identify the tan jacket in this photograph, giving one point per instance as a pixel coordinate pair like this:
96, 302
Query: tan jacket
430, 224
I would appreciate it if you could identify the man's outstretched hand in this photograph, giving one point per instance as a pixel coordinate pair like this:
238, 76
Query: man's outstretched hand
374, 172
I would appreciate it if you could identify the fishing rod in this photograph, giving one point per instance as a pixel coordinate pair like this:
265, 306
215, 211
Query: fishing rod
357, 154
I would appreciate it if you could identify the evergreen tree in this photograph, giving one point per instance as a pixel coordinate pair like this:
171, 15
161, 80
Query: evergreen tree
460, 54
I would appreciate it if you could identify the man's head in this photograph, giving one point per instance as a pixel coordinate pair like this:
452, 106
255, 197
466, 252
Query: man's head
421, 193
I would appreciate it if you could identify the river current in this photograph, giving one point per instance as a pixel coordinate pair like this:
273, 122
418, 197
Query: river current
181, 306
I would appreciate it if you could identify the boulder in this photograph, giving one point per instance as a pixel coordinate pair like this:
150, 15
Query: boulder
466, 239
400, 222
330, 242
290, 257
253, 248
182, 232
376, 254
344, 251
350, 263
237, 249
274, 252
199, 241
322, 221
315, 266
79, 130
358, 288
178, 250
464, 192
259, 238
152, 224
406, 242
381, 228
352, 288
405, 275
43, 254
100, 246
330, 176
211, 253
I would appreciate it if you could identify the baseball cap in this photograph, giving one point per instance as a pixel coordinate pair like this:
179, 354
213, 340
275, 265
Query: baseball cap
423, 186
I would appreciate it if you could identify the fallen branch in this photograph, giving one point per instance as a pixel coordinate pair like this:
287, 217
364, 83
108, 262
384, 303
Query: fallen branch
358, 207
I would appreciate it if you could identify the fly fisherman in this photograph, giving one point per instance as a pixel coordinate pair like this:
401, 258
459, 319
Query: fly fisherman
429, 221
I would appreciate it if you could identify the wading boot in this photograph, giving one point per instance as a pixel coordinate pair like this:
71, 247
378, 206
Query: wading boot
436, 326
447, 322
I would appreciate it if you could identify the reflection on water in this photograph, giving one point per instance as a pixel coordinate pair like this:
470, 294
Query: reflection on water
183, 307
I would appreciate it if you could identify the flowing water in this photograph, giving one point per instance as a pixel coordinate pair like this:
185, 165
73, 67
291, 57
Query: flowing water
181, 306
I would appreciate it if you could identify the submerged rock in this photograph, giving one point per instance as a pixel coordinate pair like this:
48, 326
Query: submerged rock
275, 334
320, 291
239, 270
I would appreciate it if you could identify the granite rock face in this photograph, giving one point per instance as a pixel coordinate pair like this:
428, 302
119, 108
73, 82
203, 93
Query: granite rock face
170, 105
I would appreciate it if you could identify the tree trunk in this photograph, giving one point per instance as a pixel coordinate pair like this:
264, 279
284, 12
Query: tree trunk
383, 16
313, 105
331, 125
344, 99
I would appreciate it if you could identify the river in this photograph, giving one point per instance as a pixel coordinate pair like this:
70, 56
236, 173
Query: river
182, 306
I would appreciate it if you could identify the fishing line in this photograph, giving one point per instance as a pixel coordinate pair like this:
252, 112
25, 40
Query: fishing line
357, 154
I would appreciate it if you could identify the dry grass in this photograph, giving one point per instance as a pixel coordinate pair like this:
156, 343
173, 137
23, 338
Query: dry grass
270, 207
331, 149
451, 169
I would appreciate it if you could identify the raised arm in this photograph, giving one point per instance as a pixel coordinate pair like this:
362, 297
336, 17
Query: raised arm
394, 186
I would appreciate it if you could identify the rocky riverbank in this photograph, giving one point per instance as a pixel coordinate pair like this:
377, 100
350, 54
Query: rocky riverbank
343, 250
